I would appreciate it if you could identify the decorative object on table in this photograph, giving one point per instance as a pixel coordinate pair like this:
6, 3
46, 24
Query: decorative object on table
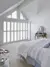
41, 32
2, 51
4, 57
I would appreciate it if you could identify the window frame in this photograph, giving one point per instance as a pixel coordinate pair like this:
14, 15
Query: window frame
20, 21
21, 31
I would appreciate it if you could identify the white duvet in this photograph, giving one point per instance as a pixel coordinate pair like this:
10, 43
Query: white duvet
44, 57
35, 50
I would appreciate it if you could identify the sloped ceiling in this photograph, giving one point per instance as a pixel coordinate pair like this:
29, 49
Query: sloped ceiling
8, 5
5, 4
29, 7
37, 9
36, 6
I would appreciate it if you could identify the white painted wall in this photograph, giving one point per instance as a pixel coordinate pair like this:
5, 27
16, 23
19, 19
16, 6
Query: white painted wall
38, 12
1, 32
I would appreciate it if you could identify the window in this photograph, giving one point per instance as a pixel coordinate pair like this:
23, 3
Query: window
9, 16
15, 31
14, 14
21, 16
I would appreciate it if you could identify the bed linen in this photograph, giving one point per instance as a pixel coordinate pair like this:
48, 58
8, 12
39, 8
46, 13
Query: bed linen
36, 51
24, 47
43, 60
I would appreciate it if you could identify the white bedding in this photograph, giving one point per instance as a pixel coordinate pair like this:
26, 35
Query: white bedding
35, 50
44, 57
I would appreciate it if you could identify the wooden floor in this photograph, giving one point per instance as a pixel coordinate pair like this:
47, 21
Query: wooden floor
20, 63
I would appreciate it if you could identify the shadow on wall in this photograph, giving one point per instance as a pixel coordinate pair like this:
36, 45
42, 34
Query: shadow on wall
48, 35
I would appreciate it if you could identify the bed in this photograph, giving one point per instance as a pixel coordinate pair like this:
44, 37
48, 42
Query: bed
37, 53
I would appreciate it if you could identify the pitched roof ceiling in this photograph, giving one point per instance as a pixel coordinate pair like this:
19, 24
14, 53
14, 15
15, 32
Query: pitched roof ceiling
5, 4
37, 10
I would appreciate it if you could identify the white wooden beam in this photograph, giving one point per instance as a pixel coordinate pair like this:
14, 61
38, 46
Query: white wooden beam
24, 15
18, 14
14, 20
